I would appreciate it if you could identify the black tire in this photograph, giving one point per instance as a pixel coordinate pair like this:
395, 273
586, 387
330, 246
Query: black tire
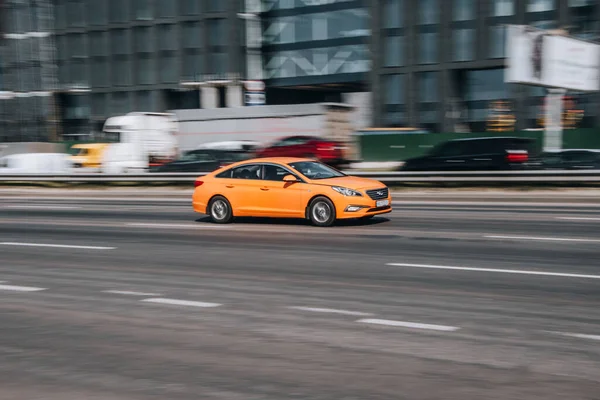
219, 210
321, 212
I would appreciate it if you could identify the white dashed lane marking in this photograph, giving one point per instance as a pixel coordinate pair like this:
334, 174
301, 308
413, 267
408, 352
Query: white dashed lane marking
13, 288
331, 311
543, 239
411, 325
130, 293
58, 246
495, 270
176, 302
579, 335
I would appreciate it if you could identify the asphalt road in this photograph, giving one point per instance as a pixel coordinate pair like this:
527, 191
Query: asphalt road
115, 299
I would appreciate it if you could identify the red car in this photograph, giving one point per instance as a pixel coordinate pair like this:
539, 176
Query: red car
327, 151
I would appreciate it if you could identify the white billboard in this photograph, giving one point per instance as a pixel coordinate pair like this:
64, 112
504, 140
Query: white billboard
537, 57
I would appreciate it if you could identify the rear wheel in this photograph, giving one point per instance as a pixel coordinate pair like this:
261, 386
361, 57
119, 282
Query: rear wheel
321, 212
219, 210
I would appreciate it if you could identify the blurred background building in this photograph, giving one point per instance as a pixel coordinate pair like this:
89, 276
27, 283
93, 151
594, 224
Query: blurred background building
67, 65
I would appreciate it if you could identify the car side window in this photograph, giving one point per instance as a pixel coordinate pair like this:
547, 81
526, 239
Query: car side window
250, 171
274, 173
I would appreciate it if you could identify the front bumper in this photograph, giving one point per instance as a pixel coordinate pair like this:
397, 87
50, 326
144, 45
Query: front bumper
359, 207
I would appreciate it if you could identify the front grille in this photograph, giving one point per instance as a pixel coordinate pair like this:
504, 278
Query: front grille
378, 194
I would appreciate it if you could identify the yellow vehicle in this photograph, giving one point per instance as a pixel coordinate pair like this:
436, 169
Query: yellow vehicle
88, 155
288, 188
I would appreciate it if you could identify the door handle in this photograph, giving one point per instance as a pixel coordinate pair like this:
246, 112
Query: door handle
264, 188
229, 186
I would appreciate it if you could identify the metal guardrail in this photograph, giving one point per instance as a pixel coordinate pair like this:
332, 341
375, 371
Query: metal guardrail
390, 178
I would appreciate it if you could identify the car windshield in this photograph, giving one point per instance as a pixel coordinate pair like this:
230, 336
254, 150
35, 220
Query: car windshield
316, 170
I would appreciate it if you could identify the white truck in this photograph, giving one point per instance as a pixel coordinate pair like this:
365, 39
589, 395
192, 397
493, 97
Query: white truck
199, 128
140, 140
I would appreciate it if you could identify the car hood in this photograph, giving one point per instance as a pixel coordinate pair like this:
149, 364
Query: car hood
351, 182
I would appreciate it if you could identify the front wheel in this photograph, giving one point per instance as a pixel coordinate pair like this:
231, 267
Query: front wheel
321, 212
219, 210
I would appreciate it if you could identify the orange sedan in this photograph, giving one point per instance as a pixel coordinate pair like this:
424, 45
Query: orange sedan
288, 188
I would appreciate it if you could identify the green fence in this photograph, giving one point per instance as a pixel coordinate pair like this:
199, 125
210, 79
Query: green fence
394, 146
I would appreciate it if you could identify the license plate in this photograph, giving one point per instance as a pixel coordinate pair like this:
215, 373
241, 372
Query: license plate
382, 203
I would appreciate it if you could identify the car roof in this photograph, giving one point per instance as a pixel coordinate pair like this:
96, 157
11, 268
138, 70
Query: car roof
275, 160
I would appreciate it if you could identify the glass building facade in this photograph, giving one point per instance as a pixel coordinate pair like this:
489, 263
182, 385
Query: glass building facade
67, 65
439, 64
134, 55
315, 50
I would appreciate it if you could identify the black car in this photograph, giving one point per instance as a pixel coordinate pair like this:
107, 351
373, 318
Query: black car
478, 154
206, 160
571, 159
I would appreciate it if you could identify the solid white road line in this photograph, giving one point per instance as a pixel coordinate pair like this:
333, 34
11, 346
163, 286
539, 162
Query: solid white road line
495, 270
21, 288
174, 226
413, 325
546, 239
332, 311
175, 302
42, 207
578, 219
60, 246
579, 335
129, 293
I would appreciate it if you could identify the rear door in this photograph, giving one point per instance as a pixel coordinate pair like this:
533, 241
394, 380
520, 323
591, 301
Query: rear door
241, 186
453, 156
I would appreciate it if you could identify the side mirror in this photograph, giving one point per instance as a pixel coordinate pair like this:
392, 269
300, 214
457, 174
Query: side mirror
290, 178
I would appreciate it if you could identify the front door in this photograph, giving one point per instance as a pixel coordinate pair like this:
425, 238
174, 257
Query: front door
279, 198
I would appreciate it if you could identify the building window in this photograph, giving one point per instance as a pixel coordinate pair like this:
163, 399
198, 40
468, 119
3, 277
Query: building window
219, 63
118, 11
192, 65
540, 5
98, 44
497, 42
99, 105
97, 12
503, 8
75, 13
429, 112
394, 51
429, 12
168, 68
584, 23
167, 38
145, 70
121, 71
483, 87
216, 32
192, 35
190, 7
142, 10
144, 39
428, 48
393, 15
143, 100
464, 10
464, 43
77, 45
217, 5
120, 41
394, 89
99, 68
166, 8
428, 87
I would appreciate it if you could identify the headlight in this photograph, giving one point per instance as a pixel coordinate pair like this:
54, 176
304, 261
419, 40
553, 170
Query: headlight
346, 191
